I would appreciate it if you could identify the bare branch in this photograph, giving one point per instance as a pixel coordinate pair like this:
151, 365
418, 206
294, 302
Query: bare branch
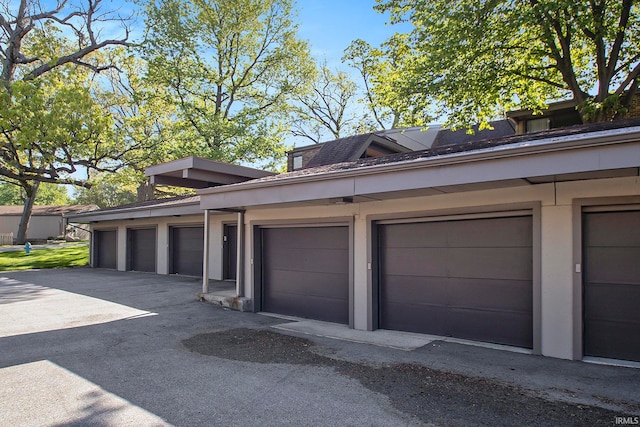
72, 58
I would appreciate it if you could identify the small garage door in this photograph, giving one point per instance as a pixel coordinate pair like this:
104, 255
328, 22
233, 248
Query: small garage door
468, 279
141, 249
306, 272
612, 284
187, 248
105, 249
230, 252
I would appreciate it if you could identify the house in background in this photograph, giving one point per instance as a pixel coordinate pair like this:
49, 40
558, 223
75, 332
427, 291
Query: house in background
391, 141
527, 241
46, 221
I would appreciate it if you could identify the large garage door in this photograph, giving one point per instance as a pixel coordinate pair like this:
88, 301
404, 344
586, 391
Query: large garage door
141, 249
187, 248
306, 272
105, 249
468, 279
612, 284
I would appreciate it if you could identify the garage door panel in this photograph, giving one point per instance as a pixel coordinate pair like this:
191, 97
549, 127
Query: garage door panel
415, 261
313, 308
499, 327
306, 272
508, 295
416, 318
613, 264
323, 238
600, 226
142, 249
187, 250
490, 232
106, 249
329, 285
432, 234
614, 340
399, 289
306, 259
490, 263
301, 300
483, 293
615, 302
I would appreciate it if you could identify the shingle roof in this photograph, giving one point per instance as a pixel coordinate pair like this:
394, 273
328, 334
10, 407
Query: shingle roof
501, 128
457, 148
48, 210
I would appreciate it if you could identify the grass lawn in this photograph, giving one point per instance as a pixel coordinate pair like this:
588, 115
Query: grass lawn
45, 258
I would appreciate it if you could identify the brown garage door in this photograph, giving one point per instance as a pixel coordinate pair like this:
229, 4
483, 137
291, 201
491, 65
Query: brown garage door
306, 272
612, 284
187, 248
105, 248
141, 249
468, 279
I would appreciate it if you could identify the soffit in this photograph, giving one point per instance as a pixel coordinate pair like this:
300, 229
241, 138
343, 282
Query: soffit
197, 172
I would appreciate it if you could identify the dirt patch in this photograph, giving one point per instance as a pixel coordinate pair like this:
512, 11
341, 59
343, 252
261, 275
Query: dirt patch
432, 396
259, 346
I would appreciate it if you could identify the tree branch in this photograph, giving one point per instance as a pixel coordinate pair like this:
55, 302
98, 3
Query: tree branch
633, 75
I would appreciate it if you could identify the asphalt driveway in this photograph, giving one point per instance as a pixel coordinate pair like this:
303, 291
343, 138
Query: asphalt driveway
93, 347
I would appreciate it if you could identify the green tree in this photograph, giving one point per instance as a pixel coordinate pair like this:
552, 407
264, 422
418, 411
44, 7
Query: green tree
231, 68
51, 125
145, 117
108, 190
381, 70
48, 195
474, 59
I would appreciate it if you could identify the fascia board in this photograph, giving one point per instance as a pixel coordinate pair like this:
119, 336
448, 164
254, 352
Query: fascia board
140, 212
173, 166
209, 165
500, 169
294, 192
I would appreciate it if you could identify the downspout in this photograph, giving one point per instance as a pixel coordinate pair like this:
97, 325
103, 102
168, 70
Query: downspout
205, 261
240, 256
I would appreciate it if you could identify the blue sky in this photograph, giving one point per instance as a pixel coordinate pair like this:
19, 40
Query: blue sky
330, 26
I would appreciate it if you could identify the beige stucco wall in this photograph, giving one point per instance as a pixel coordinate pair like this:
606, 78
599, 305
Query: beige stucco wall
163, 225
558, 320
40, 227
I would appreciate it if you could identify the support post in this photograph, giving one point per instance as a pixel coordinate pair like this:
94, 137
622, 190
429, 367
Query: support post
205, 265
240, 256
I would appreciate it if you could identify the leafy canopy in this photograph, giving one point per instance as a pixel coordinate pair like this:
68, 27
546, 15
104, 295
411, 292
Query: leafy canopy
48, 195
382, 70
474, 59
51, 127
51, 124
231, 68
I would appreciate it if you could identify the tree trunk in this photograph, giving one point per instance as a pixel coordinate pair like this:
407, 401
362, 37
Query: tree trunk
146, 191
31, 191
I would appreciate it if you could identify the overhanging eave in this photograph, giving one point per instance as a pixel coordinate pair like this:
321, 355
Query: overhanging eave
589, 162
